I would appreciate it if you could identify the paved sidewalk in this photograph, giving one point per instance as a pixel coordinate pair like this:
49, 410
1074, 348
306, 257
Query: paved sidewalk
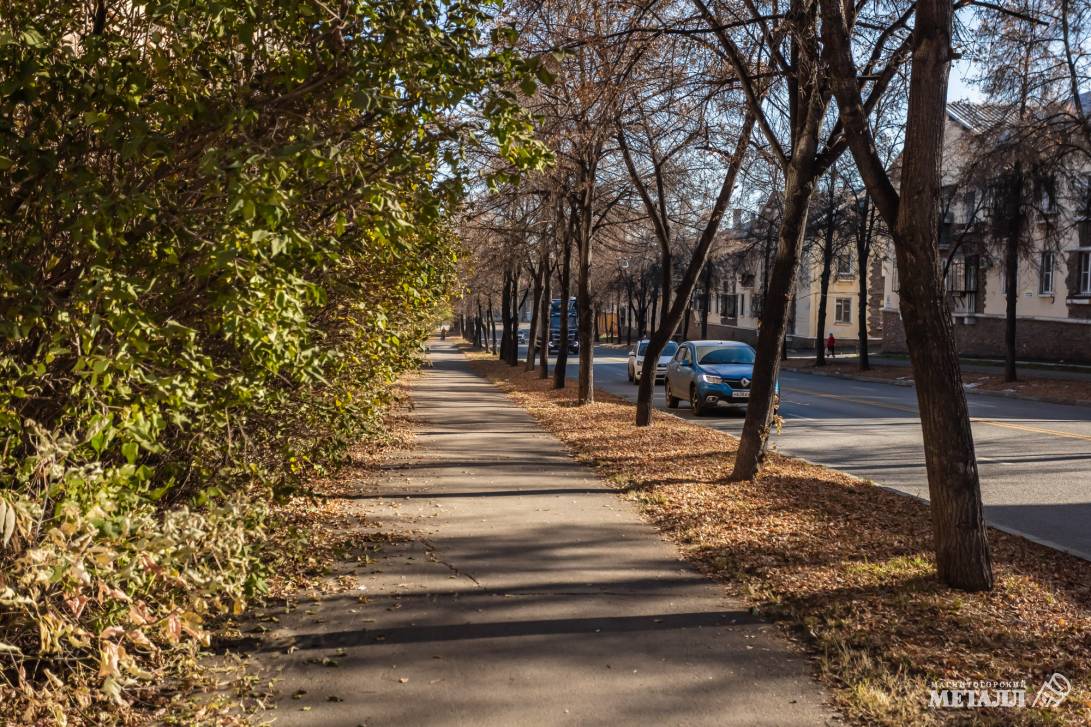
529, 595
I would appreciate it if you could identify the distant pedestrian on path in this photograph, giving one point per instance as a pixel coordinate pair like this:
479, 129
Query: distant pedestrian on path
831, 345
443, 333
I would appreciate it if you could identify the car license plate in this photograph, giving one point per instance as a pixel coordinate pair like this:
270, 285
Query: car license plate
740, 394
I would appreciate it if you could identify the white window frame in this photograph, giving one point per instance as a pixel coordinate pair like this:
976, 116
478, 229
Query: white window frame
837, 310
1046, 265
844, 265
1083, 277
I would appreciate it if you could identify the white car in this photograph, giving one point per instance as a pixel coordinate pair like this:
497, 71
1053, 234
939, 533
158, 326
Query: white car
636, 360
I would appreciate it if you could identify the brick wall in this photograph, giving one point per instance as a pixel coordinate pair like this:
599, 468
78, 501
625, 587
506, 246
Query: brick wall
1034, 339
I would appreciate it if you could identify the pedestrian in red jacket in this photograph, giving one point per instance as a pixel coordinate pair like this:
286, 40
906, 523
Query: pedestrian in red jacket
831, 343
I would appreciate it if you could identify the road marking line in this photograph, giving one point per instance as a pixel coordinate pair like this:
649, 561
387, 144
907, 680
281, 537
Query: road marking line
1026, 428
976, 420
855, 400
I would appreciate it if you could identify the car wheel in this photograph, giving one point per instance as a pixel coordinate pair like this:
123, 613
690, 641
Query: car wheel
629, 370
672, 401
695, 402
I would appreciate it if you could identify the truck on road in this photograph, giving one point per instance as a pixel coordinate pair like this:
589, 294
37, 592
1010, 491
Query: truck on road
555, 326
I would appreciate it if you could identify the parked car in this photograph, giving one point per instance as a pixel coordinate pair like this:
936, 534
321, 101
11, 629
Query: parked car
521, 335
636, 360
709, 373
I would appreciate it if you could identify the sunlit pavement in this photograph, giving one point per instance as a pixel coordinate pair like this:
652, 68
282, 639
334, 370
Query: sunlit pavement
524, 592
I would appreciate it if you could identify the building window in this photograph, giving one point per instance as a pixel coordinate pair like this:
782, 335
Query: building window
729, 305
969, 206
1083, 194
843, 310
1047, 192
844, 265
755, 306
1085, 273
1045, 273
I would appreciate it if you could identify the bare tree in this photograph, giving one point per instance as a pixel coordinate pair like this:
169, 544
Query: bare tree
962, 550
662, 133
793, 118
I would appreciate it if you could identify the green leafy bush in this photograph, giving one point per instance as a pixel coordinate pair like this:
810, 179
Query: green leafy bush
222, 235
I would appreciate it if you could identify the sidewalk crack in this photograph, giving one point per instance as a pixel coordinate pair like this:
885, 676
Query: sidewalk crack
432, 550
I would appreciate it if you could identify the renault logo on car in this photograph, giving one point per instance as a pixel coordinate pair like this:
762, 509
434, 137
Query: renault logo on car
745, 382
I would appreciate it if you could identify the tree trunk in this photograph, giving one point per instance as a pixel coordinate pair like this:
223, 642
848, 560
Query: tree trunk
647, 323
666, 286
630, 321
585, 311
862, 254
823, 298
532, 333
492, 328
543, 363
560, 366
513, 319
479, 329
707, 301
799, 185
962, 549
506, 334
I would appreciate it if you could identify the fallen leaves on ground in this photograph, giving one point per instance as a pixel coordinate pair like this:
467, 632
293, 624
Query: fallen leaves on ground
846, 566
321, 536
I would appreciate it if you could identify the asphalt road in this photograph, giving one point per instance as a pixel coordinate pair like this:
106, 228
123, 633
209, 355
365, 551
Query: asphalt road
1034, 457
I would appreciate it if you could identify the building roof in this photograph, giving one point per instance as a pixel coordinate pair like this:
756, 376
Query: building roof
1085, 101
977, 116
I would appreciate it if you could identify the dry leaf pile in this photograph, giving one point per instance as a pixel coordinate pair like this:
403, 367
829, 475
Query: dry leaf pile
846, 566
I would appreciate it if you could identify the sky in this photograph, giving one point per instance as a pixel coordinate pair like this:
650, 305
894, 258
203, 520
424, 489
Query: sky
958, 89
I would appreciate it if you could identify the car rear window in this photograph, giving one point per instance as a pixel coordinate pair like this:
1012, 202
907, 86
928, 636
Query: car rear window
725, 355
668, 350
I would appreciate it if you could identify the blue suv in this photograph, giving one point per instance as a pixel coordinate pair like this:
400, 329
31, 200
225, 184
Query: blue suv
707, 373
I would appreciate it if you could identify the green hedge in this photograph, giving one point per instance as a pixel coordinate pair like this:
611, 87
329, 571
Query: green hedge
223, 233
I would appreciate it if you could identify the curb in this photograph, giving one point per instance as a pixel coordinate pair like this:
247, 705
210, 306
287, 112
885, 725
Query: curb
1002, 528
970, 391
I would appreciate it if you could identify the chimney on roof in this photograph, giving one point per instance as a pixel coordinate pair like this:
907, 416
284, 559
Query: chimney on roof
736, 218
